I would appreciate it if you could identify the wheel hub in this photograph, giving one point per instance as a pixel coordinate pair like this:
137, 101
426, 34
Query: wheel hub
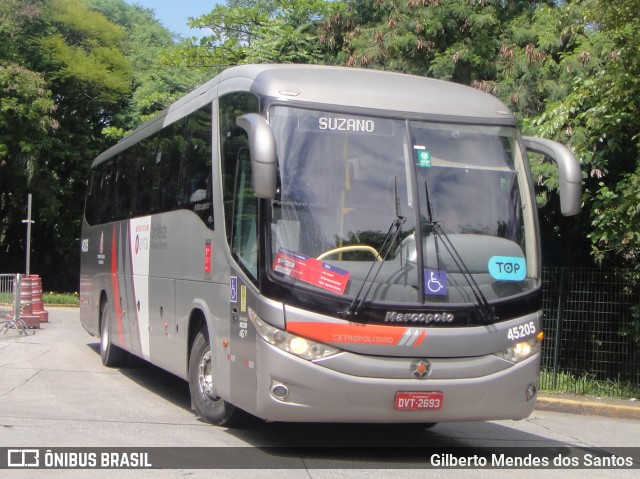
205, 377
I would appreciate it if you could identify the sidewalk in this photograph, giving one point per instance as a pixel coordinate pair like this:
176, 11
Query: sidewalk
589, 405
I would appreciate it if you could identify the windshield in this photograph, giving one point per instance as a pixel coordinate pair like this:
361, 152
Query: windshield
352, 190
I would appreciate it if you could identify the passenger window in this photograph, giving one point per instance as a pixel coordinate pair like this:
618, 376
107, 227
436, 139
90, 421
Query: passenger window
195, 191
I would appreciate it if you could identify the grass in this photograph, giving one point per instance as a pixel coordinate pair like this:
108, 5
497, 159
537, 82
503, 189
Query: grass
60, 299
586, 385
48, 298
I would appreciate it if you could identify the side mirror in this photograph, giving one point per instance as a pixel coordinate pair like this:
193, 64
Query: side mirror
262, 148
570, 176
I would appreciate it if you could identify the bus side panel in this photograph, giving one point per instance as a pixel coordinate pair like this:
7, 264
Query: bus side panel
125, 311
185, 273
162, 322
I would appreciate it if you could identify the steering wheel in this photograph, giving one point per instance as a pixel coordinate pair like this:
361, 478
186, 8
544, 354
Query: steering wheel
344, 249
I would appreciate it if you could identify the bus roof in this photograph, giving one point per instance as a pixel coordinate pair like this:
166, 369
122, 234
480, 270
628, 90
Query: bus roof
322, 85
372, 89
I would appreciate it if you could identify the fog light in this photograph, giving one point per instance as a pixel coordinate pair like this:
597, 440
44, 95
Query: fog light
531, 392
279, 391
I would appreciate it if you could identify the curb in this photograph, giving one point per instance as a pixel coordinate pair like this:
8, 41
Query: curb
616, 408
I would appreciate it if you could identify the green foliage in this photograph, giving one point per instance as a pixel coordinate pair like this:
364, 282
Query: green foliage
27, 118
585, 384
159, 75
86, 50
75, 75
63, 73
597, 117
616, 220
60, 299
260, 31
88, 63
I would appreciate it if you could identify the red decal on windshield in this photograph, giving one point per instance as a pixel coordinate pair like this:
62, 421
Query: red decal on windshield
312, 271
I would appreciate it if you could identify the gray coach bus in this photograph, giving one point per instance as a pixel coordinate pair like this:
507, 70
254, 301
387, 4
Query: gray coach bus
311, 243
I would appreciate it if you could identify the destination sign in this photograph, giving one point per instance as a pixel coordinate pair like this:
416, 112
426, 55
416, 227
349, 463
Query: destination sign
337, 123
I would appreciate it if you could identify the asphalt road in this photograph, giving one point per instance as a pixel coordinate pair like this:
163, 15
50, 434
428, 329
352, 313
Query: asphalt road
55, 393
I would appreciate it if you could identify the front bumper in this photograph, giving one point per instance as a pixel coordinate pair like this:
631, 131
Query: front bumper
315, 393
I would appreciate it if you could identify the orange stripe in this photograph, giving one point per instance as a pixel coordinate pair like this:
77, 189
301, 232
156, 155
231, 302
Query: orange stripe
351, 333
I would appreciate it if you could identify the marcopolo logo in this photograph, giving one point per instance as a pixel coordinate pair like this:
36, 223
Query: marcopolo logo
507, 268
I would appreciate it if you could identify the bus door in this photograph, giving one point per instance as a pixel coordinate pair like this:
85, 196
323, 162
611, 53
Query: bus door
242, 346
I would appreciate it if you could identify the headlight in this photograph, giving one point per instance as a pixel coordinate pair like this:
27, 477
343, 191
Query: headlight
522, 349
297, 345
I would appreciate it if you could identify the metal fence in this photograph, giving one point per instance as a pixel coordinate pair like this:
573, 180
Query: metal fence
7, 295
586, 314
10, 304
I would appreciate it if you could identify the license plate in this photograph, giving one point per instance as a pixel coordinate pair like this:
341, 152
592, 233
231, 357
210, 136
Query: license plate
406, 400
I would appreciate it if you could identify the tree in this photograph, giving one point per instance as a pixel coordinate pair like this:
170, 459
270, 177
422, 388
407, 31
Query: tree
260, 31
158, 76
597, 118
27, 119
63, 75
26, 109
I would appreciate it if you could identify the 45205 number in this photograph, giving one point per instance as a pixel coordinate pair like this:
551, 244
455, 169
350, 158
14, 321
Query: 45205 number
521, 331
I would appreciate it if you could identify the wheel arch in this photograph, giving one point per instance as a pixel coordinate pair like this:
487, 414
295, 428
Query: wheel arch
199, 318
104, 299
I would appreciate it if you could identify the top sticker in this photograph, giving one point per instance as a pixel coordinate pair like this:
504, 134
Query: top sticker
507, 268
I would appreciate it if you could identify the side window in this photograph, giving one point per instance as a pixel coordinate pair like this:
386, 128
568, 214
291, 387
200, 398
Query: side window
143, 155
240, 205
103, 192
244, 237
91, 202
166, 165
167, 171
122, 182
195, 186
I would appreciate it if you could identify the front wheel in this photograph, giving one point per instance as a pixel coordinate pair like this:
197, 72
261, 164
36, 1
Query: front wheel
112, 356
204, 397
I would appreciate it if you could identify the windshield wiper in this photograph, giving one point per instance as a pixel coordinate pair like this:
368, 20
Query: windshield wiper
358, 300
487, 313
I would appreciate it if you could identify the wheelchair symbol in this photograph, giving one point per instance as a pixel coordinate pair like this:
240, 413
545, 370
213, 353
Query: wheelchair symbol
234, 289
435, 282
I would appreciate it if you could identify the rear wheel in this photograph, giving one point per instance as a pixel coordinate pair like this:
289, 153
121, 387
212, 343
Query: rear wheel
112, 356
204, 396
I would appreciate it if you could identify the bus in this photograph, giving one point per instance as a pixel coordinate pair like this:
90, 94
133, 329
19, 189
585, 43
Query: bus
325, 244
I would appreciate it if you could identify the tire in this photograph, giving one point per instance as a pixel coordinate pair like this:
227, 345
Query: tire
204, 398
112, 356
